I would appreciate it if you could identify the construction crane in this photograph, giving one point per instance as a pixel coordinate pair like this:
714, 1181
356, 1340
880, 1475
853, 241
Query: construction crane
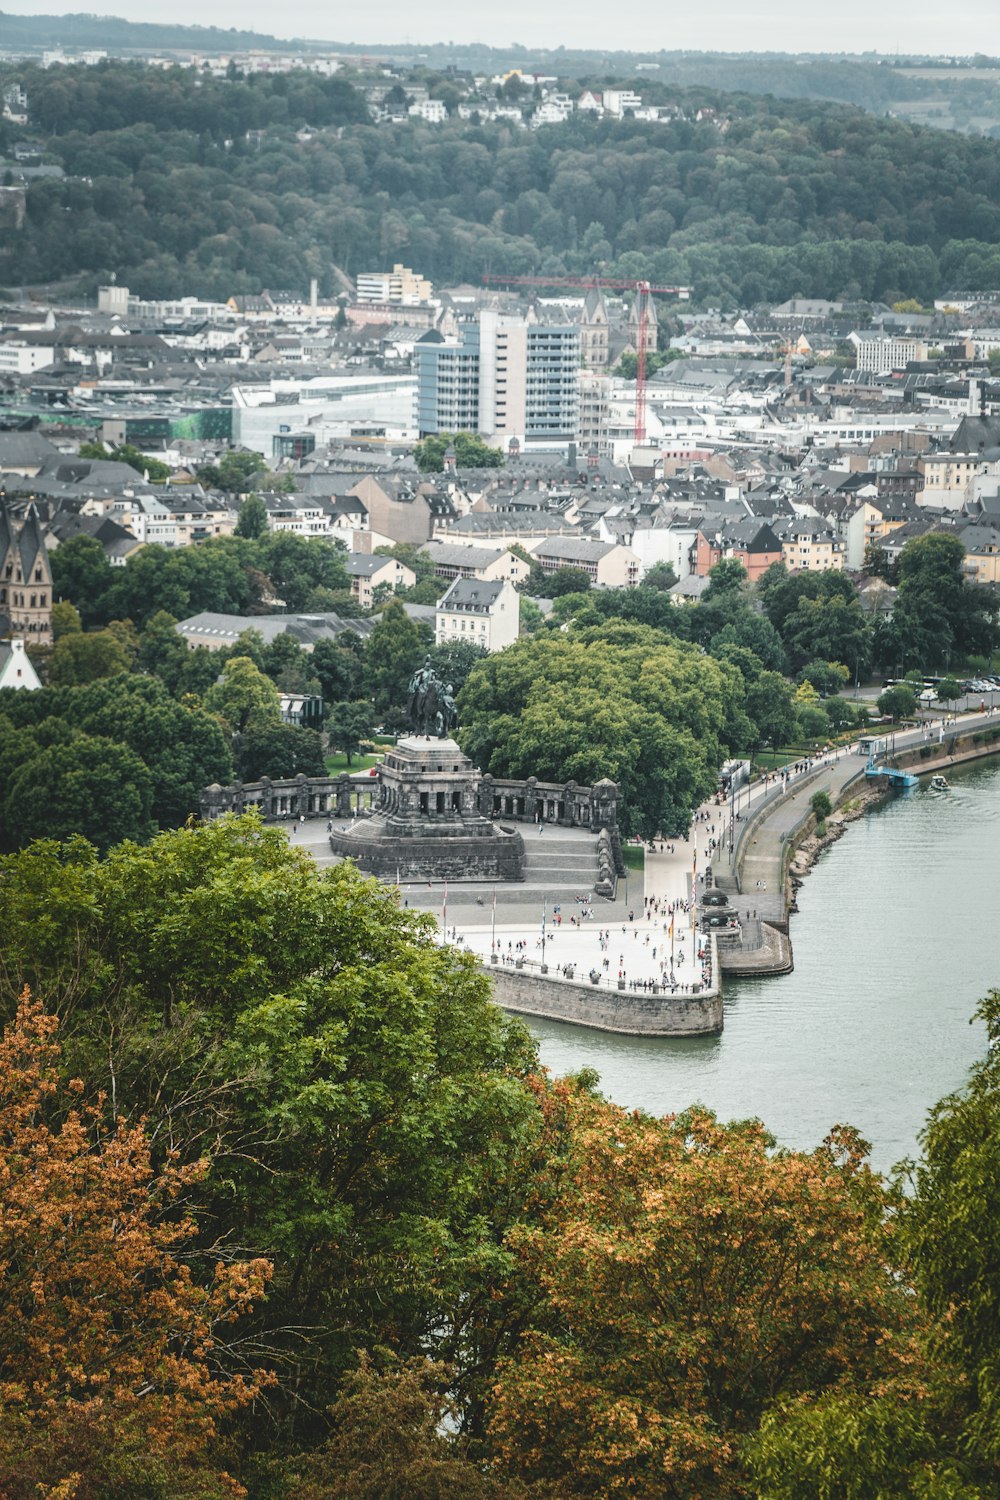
643, 291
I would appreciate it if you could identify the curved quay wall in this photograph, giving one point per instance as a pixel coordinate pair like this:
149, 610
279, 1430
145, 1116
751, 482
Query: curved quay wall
627, 1012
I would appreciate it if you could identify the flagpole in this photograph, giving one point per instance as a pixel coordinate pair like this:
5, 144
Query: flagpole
444, 912
544, 899
493, 923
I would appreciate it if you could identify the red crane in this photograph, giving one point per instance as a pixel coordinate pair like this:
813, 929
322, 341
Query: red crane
643, 291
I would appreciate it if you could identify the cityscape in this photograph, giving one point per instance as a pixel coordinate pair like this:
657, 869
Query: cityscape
499, 688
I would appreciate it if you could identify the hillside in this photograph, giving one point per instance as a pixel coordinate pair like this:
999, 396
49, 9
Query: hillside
178, 183
118, 35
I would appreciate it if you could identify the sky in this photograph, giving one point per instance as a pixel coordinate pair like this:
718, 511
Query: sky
888, 26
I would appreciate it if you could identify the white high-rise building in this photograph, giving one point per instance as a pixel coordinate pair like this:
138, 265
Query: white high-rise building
503, 377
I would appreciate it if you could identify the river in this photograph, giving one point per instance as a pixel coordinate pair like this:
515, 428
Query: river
893, 948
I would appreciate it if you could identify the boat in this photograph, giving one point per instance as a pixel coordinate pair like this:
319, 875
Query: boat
939, 784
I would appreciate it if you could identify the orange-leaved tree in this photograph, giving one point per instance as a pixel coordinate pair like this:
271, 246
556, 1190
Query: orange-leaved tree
693, 1276
115, 1376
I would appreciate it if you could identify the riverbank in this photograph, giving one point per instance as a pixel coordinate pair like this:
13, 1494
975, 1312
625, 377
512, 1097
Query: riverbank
786, 840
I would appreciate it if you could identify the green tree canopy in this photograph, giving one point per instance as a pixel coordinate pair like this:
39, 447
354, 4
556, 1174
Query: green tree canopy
471, 452
614, 701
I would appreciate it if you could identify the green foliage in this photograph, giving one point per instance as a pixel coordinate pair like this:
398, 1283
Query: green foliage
252, 519
362, 1095
79, 658
172, 750
235, 472
243, 698
771, 215
471, 452
56, 782
826, 677
938, 614
948, 689
821, 805
899, 702
769, 705
348, 724
392, 655
279, 750
567, 581
613, 701
660, 576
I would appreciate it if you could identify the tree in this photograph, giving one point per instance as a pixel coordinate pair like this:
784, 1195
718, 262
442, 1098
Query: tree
84, 657
897, 702
65, 619
347, 724
82, 575
948, 690
279, 751
614, 701
113, 1358
660, 576
937, 613
235, 472
769, 706
252, 519
827, 677
726, 577
821, 806
393, 1433
305, 1028
471, 452
567, 581
391, 657
81, 783
243, 698
454, 660
692, 1276
154, 469
337, 669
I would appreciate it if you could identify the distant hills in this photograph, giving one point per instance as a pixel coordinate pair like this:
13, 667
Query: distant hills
115, 34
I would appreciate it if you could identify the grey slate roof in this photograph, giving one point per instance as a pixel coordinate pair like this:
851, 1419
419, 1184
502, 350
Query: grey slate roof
472, 595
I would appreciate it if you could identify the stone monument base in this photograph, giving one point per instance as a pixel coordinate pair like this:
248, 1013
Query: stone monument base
430, 824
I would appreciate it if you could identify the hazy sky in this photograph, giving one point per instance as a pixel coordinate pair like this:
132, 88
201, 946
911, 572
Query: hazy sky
719, 25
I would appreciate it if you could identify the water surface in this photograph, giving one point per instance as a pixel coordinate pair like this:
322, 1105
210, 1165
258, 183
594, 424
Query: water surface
895, 942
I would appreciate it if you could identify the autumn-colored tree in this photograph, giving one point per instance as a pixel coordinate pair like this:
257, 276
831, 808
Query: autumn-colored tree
114, 1379
693, 1276
392, 1437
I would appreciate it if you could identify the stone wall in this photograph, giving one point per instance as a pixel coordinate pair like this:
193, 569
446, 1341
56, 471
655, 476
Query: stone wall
500, 857
626, 1011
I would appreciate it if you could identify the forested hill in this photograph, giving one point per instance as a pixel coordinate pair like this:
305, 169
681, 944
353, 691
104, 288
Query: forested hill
82, 30
181, 184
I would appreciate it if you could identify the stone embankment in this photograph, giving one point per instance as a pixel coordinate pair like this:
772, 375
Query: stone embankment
779, 845
628, 1012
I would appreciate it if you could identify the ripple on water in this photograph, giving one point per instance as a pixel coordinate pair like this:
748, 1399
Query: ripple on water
893, 949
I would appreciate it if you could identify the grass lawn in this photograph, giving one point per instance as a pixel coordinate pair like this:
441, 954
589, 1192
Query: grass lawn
635, 856
338, 762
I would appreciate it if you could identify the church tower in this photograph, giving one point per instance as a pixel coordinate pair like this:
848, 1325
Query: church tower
25, 579
594, 331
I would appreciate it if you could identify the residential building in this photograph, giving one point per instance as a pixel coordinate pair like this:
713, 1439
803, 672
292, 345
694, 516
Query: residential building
484, 613
879, 353
369, 574
750, 542
810, 544
400, 285
16, 670
454, 560
608, 565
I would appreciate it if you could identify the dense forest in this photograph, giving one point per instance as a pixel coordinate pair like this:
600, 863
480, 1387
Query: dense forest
761, 200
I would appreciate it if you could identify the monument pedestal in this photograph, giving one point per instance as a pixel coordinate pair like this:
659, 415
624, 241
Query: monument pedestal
429, 824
